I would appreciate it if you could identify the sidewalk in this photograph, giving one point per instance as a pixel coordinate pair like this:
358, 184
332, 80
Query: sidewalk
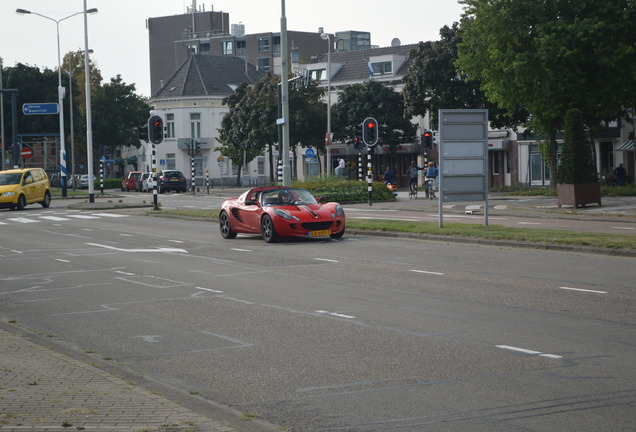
44, 390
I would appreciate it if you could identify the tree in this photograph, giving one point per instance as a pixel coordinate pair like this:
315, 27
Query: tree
372, 99
117, 112
250, 126
548, 56
433, 82
577, 164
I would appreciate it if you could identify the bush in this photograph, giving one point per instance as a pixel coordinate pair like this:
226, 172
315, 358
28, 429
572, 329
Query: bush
333, 189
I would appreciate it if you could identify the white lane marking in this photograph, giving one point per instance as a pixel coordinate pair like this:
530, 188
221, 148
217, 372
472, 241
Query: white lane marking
336, 314
527, 351
23, 220
78, 216
54, 218
138, 250
325, 259
113, 215
624, 228
124, 273
583, 290
209, 289
176, 241
3, 223
427, 272
125, 235
241, 250
61, 260
17, 251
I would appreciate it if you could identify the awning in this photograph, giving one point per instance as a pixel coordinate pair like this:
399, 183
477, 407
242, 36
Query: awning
131, 160
119, 161
626, 146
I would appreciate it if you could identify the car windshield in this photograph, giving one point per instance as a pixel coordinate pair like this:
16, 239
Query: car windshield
10, 178
173, 174
277, 197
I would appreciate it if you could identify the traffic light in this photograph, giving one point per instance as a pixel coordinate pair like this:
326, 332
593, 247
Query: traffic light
357, 139
197, 147
142, 132
370, 131
427, 140
155, 129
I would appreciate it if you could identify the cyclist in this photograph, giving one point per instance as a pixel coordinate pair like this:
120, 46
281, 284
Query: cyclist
412, 172
429, 179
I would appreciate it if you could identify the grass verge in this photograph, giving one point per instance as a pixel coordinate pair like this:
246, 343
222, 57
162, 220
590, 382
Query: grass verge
490, 232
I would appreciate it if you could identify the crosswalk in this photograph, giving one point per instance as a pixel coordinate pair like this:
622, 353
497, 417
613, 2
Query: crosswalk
58, 217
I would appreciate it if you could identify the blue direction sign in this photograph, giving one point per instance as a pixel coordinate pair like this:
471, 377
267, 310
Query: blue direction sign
40, 108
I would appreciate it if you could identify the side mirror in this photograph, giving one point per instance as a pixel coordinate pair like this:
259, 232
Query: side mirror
318, 199
250, 202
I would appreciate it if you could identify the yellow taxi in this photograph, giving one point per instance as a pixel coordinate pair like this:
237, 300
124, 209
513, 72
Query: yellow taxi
19, 187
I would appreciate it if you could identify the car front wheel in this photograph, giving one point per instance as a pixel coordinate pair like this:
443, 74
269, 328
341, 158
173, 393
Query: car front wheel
47, 200
268, 230
225, 227
21, 202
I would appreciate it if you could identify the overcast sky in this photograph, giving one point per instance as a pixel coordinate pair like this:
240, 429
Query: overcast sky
119, 38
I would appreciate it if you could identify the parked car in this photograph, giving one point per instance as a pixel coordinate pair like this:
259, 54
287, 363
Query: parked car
130, 182
140, 181
149, 183
275, 212
19, 187
174, 180
83, 181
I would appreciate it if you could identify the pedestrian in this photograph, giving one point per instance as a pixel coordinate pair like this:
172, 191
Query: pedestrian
620, 173
340, 167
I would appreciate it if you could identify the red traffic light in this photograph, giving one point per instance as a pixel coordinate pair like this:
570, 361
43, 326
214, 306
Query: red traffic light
370, 125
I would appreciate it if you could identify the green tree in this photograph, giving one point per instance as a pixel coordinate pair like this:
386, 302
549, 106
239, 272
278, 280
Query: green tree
250, 126
117, 112
373, 99
433, 82
548, 56
577, 162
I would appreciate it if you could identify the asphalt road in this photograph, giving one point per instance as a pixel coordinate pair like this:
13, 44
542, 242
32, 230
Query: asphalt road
363, 334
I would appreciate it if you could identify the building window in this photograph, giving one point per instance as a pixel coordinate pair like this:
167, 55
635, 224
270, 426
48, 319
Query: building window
240, 48
228, 48
318, 74
263, 63
169, 125
382, 68
261, 166
171, 161
263, 44
195, 125
495, 163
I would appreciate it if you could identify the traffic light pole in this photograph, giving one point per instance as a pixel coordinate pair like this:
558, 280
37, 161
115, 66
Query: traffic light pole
155, 204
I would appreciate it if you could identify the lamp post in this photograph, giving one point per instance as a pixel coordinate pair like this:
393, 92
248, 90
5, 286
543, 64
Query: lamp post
89, 116
284, 75
327, 37
60, 89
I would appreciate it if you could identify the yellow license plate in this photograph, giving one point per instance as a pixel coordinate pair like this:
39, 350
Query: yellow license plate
319, 233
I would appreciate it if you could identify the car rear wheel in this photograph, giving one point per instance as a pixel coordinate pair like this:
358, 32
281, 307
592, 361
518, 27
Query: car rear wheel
47, 200
268, 230
225, 227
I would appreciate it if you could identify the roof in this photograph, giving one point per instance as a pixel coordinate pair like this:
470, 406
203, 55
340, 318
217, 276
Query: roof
206, 75
355, 64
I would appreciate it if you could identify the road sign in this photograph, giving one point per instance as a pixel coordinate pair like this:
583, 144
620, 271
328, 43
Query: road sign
310, 153
40, 108
26, 152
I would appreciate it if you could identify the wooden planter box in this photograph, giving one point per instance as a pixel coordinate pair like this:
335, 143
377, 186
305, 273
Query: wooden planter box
578, 195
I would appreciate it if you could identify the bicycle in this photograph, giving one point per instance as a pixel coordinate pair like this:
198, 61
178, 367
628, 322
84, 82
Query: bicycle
429, 187
412, 190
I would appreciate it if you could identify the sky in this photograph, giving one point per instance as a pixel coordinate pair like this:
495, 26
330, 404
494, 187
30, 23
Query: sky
118, 36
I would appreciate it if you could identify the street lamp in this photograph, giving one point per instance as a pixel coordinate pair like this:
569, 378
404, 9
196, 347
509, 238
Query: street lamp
89, 116
60, 89
327, 37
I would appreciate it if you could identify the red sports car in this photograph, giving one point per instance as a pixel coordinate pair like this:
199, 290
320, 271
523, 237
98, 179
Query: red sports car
277, 212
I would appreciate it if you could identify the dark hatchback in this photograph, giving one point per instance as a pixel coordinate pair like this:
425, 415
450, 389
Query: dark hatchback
171, 180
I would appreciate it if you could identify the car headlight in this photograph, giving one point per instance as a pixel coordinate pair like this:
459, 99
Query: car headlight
339, 210
285, 215
9, 193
